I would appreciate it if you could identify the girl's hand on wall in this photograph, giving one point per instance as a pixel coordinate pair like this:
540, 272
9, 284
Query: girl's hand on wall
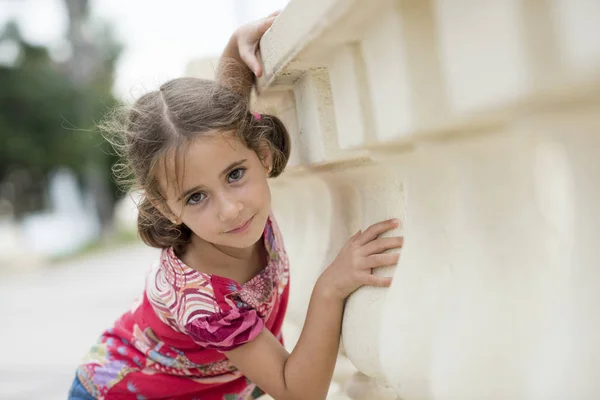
352, 267
248, 39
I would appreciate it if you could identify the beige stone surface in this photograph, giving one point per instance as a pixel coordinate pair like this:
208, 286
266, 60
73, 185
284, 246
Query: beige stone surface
478, 124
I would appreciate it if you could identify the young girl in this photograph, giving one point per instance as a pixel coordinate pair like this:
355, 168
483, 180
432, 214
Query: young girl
208, 325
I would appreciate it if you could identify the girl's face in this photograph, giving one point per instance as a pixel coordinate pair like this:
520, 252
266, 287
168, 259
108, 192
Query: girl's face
221, 192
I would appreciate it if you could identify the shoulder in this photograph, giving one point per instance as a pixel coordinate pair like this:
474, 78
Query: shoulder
276, 248
274, 237
205, 307
178, 292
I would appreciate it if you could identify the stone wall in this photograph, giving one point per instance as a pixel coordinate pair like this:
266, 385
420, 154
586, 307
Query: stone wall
478, 124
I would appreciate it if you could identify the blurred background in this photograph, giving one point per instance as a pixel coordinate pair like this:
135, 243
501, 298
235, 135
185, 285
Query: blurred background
69, 254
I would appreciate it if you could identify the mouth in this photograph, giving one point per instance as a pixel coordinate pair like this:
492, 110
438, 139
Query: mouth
242, 228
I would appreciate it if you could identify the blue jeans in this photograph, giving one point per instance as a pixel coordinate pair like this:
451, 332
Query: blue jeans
78, 392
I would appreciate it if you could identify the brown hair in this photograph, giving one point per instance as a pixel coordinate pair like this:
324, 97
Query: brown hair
169, 118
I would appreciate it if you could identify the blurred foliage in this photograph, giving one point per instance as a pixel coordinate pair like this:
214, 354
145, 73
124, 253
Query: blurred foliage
47, 118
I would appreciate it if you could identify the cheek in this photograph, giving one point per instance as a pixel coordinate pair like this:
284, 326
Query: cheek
204, 224
196, 217
256, 193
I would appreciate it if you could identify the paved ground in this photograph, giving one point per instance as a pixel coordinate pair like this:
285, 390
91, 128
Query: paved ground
50, 316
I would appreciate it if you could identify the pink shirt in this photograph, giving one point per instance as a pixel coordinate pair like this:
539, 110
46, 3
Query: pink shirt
171, 344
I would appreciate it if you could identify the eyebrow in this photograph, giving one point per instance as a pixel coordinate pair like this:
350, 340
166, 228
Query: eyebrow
225, 171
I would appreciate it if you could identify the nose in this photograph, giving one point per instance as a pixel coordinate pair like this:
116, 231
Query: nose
229, 208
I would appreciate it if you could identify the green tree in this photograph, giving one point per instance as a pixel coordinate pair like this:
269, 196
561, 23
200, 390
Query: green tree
47, 118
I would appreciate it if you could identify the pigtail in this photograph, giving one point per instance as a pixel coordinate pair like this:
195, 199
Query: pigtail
272, 129
156, 230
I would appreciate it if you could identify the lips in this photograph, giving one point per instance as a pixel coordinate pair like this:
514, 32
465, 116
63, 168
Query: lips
240, 228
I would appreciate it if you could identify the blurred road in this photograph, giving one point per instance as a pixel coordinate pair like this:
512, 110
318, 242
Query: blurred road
50, 316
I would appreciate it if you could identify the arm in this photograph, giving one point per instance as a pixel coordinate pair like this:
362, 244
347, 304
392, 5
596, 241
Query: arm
239, 62
307, 371
232, 71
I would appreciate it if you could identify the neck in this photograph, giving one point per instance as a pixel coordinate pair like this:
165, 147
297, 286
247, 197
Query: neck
206, 256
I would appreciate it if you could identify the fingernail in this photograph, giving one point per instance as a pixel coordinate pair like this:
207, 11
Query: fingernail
396, 221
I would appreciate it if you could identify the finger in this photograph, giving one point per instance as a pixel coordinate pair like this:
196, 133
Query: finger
265, 25
274, 13
381, 244
378, 281
357, 234
377, 229
382, 260
259, 66
252, 62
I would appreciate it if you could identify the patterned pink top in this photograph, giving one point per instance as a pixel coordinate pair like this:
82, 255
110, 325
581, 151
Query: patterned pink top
171, 343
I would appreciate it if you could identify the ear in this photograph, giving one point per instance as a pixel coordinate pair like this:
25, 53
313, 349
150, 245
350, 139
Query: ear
165, 210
